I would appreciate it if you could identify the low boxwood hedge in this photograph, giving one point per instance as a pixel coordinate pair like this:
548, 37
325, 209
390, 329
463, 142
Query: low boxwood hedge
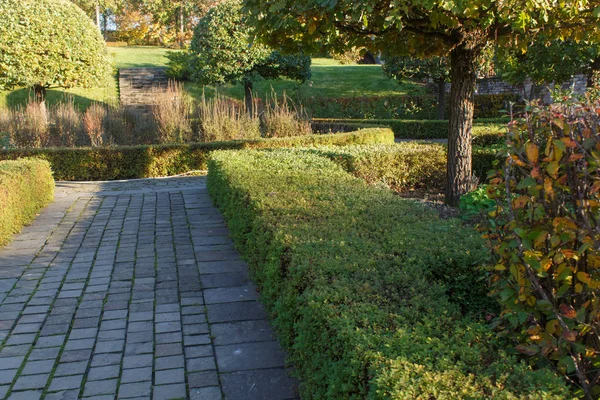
372, 294
404, 167
128, 162
26, 186
401, 167
485, 132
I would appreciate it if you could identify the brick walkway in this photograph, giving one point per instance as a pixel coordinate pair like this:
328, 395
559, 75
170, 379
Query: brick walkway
133, 290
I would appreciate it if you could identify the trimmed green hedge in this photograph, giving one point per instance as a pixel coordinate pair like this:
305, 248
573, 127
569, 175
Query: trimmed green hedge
128, 162
401, 167
485, 132
370, 293
26, 186
405, 166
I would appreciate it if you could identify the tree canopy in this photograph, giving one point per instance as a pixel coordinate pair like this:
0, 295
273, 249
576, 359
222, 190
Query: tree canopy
459, 30
549, 60
50, 43
224, 49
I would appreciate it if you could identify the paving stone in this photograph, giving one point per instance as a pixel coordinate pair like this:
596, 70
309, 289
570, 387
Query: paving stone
28, 395
169, 349
168, 362
101, 373
113, 346
31, 382
242, 311
83, 333
11, 362
139, 348
7, 376
198, 351
50, 341
136, 375
100, 387
200, 364
112, 324
101, 360
44, 354
173, 337
168, 392
71, 368
203, 379
246, 356
273, 384
207, 393
72, 394
137, 361
230, 294
241, 332
75, 355
138, 389
65, 383
169, 376
37, 367
86, 323
80, 344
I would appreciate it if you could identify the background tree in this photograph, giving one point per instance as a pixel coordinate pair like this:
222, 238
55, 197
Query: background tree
224, 49
434, 68
49, 43
549, 60
457, 30
101, 11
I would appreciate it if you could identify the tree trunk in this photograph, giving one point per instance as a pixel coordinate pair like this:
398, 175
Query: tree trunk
98, 15
248, 97
39, 93
105, 25
441, 110
463, 60
181, 24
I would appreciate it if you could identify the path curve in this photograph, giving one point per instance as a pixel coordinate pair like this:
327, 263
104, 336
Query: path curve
133, 289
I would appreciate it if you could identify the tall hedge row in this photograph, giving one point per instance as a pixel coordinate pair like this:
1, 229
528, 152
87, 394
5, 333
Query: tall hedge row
26, 186
128, 162
373, 295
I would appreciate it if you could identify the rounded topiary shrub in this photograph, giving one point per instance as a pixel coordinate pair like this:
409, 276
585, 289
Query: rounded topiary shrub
46, 43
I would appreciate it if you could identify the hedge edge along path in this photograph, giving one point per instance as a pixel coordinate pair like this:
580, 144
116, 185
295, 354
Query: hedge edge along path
26, 186
370, 293
129, 162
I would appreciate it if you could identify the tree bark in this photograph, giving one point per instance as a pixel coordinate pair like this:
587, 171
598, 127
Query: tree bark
39, 93
441, 110
105, 25
463, 60
98, 15
181, 24
248, 97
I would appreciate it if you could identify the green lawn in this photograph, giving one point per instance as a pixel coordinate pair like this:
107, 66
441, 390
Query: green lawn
138, 56
330, 79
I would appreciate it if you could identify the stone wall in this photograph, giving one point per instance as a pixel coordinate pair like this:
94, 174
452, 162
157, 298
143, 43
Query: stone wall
527, 90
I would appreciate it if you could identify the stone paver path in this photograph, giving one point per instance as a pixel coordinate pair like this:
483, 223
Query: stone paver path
133, 290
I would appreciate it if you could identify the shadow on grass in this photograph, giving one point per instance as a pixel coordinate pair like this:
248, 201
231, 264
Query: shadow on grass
20, 97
